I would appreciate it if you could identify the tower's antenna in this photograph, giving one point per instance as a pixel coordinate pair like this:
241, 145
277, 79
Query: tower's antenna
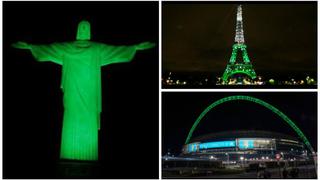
239, 38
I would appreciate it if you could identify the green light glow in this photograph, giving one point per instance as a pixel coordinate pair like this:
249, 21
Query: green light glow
257, 101
239, 68
84, 31
81, 62
81, 85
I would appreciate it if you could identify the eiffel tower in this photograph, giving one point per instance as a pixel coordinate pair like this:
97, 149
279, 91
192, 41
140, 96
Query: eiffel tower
237, 65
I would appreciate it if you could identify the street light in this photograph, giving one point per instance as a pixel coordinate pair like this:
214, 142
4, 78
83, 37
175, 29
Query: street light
282, 155
227, 158
241, 158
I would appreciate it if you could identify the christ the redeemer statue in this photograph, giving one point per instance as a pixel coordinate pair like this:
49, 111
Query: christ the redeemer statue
81, 62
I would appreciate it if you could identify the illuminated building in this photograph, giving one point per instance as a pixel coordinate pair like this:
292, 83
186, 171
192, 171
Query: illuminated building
250, 145
235, 69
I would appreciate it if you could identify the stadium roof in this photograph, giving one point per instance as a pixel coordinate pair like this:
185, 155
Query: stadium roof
241, 134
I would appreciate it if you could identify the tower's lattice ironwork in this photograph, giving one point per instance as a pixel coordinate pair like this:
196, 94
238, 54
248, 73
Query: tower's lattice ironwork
237, 65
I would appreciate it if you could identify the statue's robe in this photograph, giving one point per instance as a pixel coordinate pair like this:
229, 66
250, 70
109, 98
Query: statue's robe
81, 85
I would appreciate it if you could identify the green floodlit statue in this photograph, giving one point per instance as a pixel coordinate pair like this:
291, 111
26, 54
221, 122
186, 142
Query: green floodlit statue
81, 62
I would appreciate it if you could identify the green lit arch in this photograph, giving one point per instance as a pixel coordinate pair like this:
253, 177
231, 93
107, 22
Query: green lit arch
257, 101
252, 76
238, 69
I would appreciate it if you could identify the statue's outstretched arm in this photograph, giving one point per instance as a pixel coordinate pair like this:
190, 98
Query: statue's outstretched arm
51, 52
145, 45
121, 54
21, 45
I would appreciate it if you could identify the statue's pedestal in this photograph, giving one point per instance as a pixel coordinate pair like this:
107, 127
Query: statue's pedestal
78, 169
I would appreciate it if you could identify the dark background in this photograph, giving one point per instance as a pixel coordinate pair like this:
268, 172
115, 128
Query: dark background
32, 99
180, 111
281, 37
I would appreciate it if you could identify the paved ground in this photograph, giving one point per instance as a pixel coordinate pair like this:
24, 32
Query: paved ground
304, 172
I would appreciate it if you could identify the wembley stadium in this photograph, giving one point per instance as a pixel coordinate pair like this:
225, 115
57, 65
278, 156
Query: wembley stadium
233, 146
243, 153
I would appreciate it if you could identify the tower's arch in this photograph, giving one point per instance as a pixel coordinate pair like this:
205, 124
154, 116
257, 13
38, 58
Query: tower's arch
248, 73
257, 101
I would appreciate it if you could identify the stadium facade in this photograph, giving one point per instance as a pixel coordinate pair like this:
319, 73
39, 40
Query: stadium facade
235, 146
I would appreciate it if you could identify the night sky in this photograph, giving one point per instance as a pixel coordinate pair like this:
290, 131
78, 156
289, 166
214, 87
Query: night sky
32, 98
281, 38
180, 111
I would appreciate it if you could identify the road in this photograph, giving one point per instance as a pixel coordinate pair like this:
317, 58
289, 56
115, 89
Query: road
304, 172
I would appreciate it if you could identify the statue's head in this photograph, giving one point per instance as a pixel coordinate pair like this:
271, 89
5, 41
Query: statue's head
84, 30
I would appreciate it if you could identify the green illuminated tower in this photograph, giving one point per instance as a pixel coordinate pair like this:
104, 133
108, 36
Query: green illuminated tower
239, 63
81, 62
